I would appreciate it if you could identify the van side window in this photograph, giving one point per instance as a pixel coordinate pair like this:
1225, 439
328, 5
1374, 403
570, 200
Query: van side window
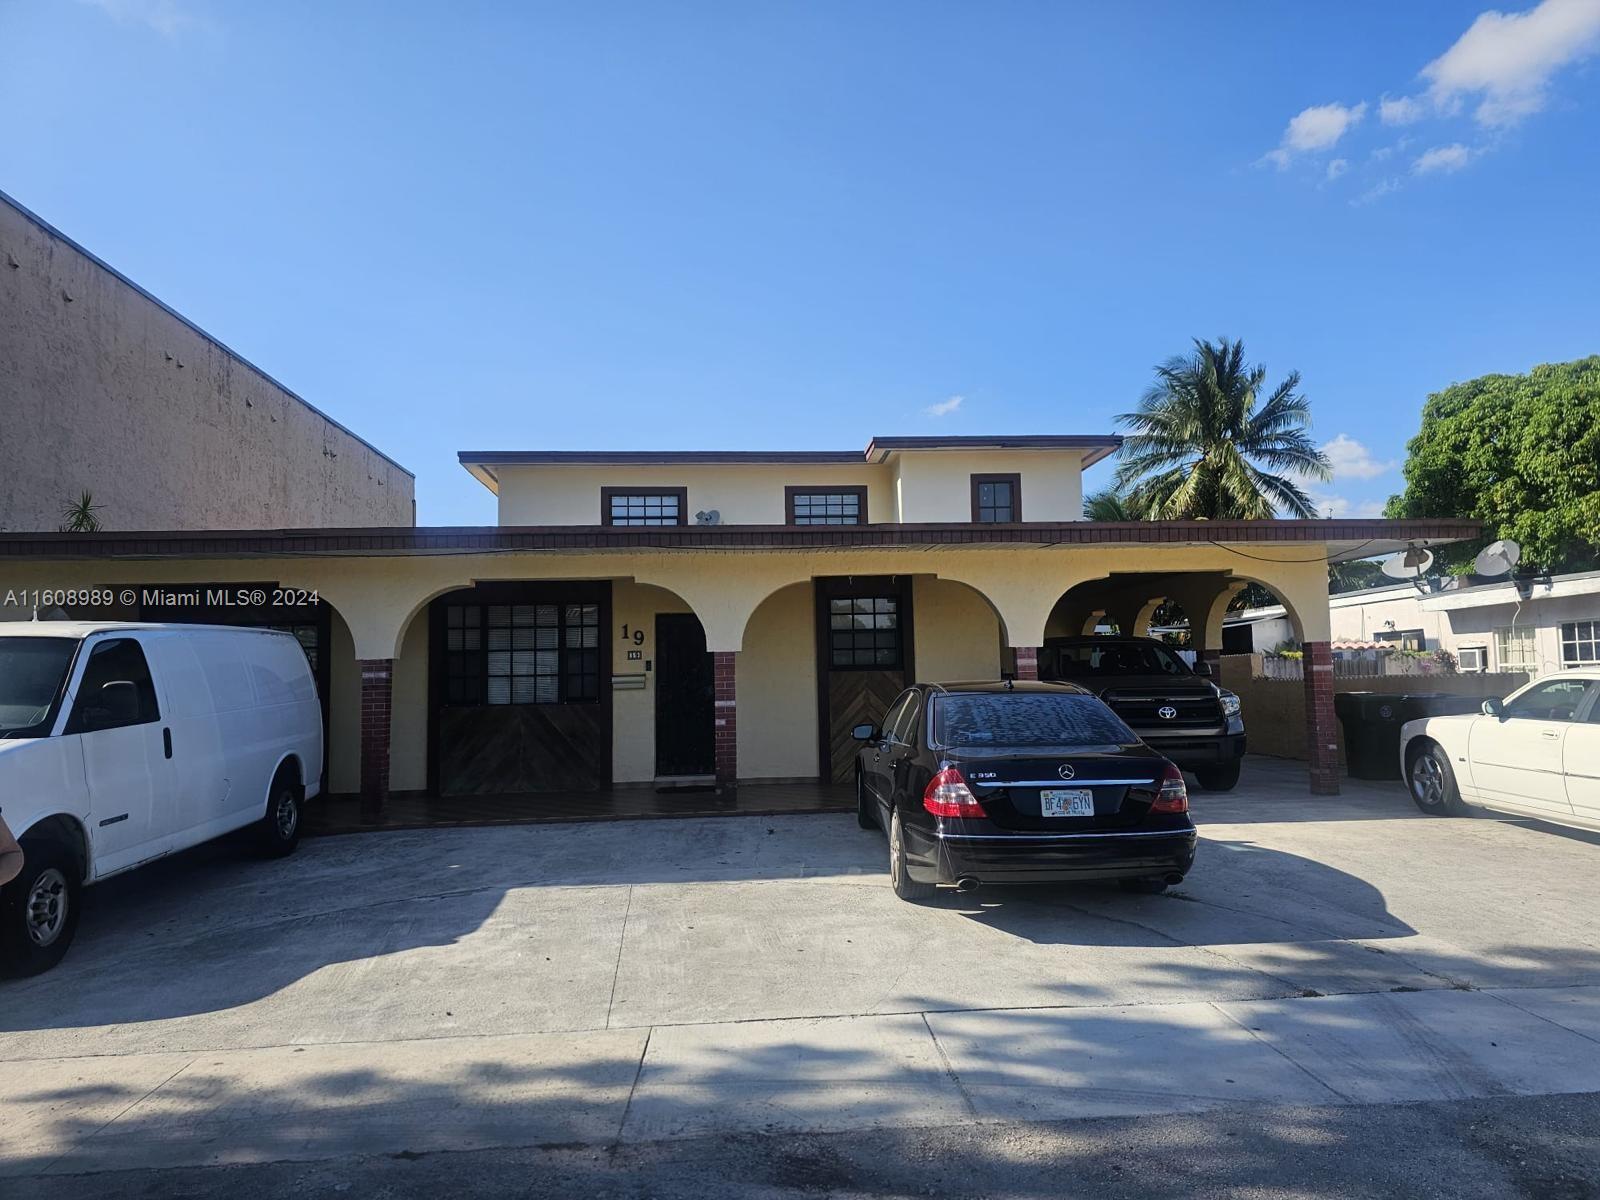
116, 690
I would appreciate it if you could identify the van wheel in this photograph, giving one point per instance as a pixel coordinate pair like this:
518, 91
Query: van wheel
278, 831
39, 909
1432, 782
1219, 779
900, 879
864, 815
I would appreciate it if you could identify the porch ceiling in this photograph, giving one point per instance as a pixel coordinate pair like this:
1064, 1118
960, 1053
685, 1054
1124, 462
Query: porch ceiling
1343, 539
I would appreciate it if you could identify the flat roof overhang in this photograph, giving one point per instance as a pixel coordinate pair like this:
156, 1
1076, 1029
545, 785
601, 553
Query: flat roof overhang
1344, 540
481, 464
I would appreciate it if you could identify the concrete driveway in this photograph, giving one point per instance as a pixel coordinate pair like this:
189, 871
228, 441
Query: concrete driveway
610, 985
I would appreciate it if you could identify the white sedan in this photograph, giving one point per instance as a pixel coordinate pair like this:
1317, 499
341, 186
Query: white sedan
1535, 754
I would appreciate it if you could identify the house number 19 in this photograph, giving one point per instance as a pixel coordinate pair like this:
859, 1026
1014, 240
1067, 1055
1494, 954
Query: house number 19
636, 637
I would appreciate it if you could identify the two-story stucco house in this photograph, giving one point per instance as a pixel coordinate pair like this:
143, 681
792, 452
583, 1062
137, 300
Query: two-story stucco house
647, 618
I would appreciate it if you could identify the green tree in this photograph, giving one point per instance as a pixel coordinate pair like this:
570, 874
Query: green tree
1521, 453
1353, 576
1108, 504
1205, 444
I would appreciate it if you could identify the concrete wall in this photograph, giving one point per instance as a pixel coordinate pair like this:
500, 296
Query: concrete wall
104, 390
778, 688
1363, 619
1275, 709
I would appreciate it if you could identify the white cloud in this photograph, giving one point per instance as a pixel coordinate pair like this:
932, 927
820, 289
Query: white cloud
1401, 110
1337, 168
1442, 158
1343, 506
1316, 128
1378, 190
1352, 460
1506, 60
944, 408
164, 16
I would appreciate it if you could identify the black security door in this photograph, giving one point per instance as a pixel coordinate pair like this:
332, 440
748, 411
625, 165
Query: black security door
685, 703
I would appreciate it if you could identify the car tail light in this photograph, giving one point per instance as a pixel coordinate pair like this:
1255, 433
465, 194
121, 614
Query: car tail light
1173, 796
947, 795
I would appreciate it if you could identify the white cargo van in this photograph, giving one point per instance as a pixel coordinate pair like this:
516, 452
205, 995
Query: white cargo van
120, 743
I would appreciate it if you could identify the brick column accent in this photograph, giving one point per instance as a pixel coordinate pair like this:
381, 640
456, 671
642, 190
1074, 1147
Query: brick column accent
724, 666
377, 688
1322, 747
1027, 662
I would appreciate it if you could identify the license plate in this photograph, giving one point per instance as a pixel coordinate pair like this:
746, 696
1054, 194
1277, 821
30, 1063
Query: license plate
1066, 802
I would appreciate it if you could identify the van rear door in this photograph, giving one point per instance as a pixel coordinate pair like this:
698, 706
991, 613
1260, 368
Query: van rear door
116, 722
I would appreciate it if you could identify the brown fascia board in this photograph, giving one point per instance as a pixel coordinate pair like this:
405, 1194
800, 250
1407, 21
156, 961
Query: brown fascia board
650, 458
1098, 446
489, 539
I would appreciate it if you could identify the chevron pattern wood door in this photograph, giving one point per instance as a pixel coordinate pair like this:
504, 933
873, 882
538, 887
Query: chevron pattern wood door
856, 698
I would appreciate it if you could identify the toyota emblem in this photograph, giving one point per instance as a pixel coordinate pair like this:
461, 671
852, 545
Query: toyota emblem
1166, 712
1066, 771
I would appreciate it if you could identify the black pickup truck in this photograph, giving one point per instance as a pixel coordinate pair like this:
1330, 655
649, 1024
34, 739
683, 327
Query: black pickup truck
1175, 710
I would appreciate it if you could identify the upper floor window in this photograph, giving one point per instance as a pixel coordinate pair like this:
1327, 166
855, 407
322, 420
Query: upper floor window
996, 499
644, 506
826, 506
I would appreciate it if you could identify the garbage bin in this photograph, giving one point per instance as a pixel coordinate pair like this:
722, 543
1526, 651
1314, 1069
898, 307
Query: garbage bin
1372, 721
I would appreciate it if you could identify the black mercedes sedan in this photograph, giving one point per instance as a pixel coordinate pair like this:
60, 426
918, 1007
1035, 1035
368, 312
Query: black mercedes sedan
1018, 782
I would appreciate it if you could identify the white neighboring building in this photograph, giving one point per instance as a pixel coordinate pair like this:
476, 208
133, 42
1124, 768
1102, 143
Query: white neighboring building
1537, 626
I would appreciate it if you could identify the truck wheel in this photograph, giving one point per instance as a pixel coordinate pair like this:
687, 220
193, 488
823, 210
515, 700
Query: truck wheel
904, 886
1432, 782
278, 831
39, 909
1219, 779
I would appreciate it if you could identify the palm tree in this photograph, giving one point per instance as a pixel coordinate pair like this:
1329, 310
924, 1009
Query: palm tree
1107, 504
80, 516
1203, 445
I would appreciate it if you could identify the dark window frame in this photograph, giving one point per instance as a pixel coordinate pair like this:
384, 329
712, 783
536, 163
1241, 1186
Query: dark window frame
145, 689
607, 494
1014, 478
859, 491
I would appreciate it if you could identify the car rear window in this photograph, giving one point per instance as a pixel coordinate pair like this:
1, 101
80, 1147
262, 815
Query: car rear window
1027, 719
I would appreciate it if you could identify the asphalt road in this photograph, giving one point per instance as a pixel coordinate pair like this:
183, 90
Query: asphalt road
1542, 1148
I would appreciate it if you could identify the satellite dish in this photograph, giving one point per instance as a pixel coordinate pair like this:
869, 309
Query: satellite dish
709, 517
1497, 558
1410, 564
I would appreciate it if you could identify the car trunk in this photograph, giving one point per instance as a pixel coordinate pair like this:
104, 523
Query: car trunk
1011, 787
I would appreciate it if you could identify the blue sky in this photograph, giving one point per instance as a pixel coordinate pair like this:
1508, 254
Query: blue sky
770, 225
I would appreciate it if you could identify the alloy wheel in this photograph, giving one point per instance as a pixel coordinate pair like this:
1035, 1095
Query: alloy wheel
1427, 781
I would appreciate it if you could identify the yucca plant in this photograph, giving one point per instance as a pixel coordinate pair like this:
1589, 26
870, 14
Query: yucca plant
1204, 443
79, 516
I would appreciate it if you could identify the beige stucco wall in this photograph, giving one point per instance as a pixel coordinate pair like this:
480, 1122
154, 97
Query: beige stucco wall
777, 688
912, 486
935, 485
956, 634
108, 392
633, 713
1363, 620
344, 709
743, 495
408, 710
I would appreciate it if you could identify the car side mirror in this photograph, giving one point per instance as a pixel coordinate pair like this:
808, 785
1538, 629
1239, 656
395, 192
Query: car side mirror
1493, 708
865, 733
1202, 668
115, 705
